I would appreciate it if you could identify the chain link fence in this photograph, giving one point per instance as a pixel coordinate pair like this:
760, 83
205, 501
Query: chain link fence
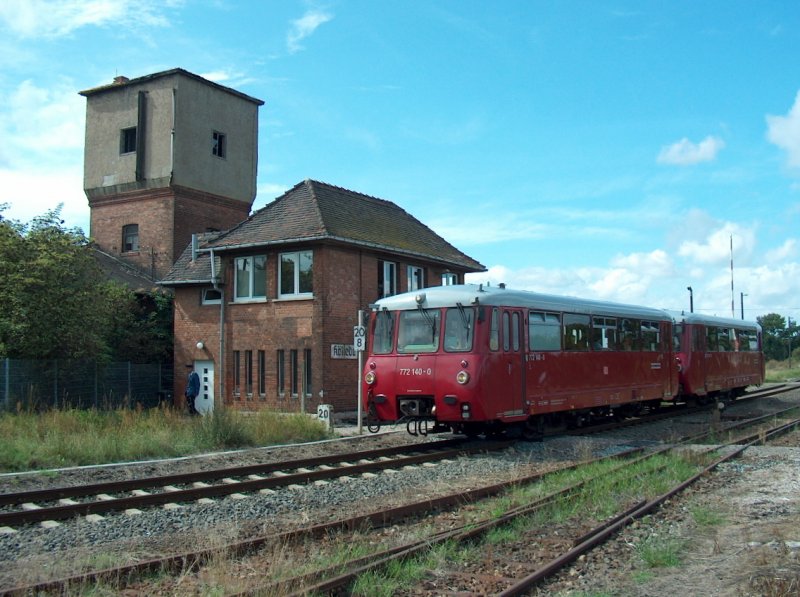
41, 385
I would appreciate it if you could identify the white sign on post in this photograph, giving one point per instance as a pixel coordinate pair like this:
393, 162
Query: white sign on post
359, 338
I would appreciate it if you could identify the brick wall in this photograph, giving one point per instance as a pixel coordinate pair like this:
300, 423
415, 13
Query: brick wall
345, 280
167, 218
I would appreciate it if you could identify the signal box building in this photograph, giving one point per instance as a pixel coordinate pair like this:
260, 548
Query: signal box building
166, 155
265, 311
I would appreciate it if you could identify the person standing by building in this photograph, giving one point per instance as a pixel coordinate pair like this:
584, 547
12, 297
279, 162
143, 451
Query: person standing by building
192, 389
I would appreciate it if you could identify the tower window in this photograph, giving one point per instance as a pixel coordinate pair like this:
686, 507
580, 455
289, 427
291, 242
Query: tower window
218, 144
130, 238
127, 140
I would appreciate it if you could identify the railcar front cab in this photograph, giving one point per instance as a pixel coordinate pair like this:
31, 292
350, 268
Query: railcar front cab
404, 375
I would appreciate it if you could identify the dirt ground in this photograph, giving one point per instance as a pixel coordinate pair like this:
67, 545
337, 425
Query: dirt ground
737, 535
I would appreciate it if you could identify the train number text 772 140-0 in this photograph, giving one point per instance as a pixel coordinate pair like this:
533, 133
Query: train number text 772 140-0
417, 371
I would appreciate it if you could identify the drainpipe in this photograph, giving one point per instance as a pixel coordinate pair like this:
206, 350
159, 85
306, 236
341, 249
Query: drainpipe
215, 282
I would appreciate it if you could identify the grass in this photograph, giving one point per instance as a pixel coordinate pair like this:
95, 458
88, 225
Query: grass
606, 490
30, 440
780, 371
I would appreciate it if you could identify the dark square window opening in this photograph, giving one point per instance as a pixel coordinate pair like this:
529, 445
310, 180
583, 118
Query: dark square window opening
219, 146
127, 140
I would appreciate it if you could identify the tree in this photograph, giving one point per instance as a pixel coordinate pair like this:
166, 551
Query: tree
57, 302
778, 336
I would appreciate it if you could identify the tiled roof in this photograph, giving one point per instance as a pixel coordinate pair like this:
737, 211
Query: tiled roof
124, 273
194, 271
315, 210
122, 81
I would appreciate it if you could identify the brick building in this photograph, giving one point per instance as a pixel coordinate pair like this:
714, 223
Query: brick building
266, 309
166, 155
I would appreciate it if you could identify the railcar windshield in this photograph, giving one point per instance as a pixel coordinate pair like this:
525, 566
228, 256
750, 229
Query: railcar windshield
418, 331
383, 332
458, 329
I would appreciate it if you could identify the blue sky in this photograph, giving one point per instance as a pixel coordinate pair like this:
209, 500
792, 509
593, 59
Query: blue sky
604, 149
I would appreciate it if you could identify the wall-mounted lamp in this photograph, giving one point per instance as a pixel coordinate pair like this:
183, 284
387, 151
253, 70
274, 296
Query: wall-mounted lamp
200, 345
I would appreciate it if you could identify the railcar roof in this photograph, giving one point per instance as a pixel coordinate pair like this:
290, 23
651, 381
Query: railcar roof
469, 294
714, 320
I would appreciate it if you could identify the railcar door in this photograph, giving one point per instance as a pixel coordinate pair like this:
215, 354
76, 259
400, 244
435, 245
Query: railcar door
513, 362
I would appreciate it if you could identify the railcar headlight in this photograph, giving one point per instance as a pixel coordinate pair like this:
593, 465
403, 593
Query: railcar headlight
370, 377
462, 377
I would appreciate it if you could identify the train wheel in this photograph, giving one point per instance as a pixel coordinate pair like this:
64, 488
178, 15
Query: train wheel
533, 429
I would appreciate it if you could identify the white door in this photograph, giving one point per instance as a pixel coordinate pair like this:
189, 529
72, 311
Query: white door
204, 403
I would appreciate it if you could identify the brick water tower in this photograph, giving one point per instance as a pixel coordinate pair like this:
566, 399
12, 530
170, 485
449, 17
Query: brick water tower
167, 155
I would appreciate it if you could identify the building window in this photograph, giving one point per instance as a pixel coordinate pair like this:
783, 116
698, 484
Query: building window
416, 278
237, 380
307, 371
130, 238
281, 375
293, 371
251, 278
449, 279
248, 372
387, 278
127, 140
295, 277
262, 374
219, 146
211, 296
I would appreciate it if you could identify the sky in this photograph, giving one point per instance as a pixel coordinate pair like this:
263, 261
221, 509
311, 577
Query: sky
622, 150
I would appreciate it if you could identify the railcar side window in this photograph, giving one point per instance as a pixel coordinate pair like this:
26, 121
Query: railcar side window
515, 331
712, 341
746, 340
506, 331
458, 328
724, 339
544, 330
604, 333
419, 331
494, 331
677, 334
383, 333
628, 336
576, 332
651, 336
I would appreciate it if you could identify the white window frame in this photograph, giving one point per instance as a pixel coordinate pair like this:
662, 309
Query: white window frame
389, 278
295, 258
204, 300
416, 277
250, 262
449, 279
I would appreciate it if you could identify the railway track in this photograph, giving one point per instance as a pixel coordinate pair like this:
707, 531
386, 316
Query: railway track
189, 561
61, 503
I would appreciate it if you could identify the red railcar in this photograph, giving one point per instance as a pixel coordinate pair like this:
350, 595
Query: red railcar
476, 359
717, 357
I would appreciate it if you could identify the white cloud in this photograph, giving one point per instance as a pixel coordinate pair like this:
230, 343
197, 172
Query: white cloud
41, 159
784, 131
304, 27
715, 246
686, 153
56, 18
787, 250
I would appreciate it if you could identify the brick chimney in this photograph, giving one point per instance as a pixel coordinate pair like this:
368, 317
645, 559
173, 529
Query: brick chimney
121, 80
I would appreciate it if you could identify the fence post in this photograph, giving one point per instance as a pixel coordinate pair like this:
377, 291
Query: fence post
130, 389
7, 398
95, 384
55, 383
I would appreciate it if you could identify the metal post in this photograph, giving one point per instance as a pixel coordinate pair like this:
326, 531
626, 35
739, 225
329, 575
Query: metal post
8, 384
741, 303
360, 369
